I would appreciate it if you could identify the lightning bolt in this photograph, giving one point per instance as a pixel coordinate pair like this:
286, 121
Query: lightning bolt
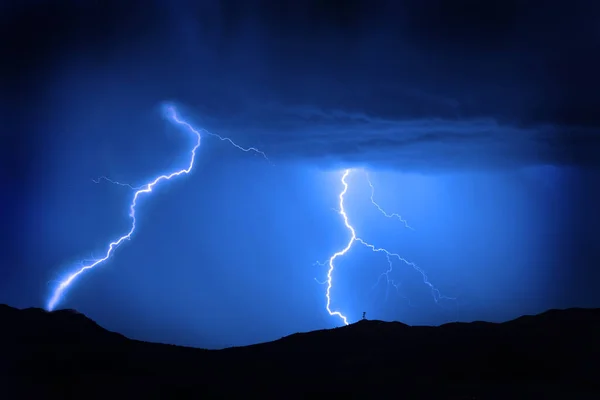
355, 239
173, 115
340, 253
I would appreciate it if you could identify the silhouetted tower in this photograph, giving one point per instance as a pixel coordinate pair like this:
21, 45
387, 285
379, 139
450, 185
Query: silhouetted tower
364, 315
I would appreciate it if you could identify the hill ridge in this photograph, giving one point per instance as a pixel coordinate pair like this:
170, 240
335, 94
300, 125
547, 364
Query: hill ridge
72, 315
556, 347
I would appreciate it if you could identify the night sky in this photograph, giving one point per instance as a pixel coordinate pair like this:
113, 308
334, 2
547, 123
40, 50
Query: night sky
476, 121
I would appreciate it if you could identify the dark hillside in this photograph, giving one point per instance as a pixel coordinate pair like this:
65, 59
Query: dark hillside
64, 353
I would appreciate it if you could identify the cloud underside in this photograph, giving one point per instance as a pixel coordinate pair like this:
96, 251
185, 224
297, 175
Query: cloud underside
340, 138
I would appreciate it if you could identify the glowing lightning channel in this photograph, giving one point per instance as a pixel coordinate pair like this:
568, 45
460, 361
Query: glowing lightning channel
354, 238
141, 190
342, 212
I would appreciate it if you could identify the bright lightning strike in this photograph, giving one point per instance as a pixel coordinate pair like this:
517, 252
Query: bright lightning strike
172, 114
340, 253
354, 238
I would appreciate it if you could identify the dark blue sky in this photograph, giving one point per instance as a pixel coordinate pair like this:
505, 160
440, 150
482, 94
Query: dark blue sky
476, 121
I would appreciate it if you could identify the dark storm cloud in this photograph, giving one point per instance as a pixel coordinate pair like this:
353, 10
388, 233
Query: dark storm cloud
426, 143
413, 83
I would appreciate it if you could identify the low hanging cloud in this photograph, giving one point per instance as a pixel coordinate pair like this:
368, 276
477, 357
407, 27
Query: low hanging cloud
348, 138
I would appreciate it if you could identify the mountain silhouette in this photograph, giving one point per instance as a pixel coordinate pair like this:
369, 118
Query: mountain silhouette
64, 354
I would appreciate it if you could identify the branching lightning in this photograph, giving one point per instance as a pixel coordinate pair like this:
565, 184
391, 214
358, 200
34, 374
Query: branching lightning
381, 210
103, 178
173, 115
354, 238
244, 149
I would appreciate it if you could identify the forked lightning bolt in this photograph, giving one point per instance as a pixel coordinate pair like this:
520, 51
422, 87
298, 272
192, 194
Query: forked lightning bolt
173, 115
354, 238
